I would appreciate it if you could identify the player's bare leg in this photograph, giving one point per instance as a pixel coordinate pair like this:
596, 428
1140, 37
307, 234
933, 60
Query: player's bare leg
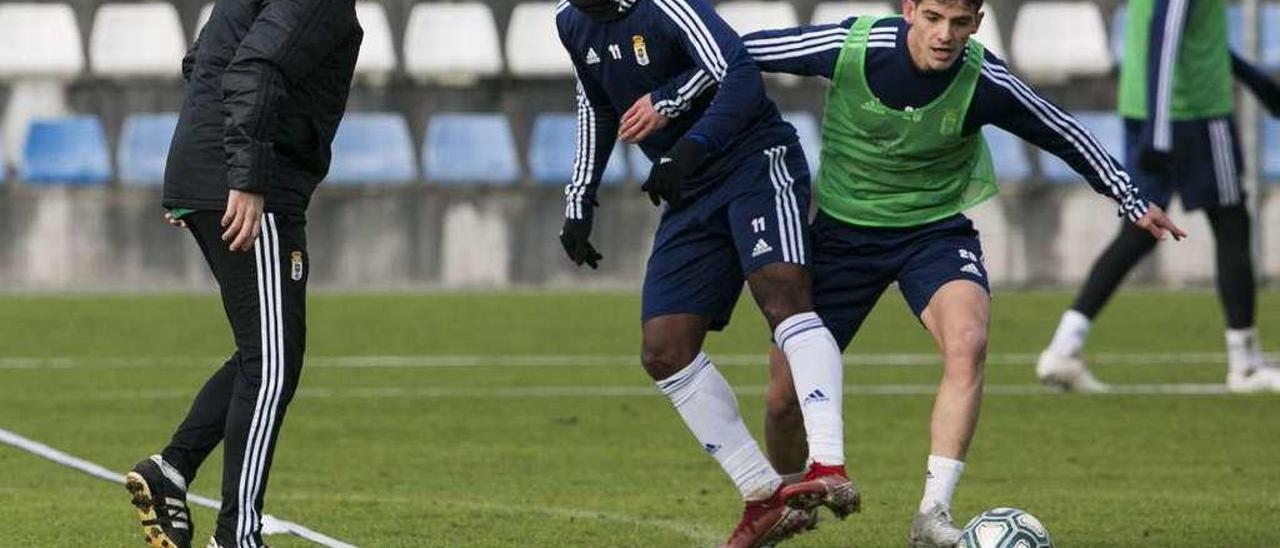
784, 434
672, 355
957, 316
784, 293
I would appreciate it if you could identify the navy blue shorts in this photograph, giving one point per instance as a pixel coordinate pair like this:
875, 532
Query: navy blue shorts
704, 249
1206, 161
853, 265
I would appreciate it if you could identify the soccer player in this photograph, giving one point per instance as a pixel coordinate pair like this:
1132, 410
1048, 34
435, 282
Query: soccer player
266, 85
1177, 101
735, 183
902, 159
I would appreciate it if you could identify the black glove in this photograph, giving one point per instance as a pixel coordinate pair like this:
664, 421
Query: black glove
575, 237
1151, 160
671, 170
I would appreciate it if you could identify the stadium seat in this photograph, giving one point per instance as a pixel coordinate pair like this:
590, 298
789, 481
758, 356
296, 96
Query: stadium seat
144, 148
373, 148
463, 148
1118, 19
40, 50
989, 33
834, 12
453, 42
1054, 41
533, 44
1105, 126
70, 150
377, 54
639, 163
1270, 137
1009, 155
747, 16
810, 137
39, 41
203, 18
553, 147
137, 40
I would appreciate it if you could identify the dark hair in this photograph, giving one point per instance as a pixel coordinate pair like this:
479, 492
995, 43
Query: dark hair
975, 4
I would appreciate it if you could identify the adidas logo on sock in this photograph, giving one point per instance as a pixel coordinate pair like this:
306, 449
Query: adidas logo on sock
711, 448
761, 248
971, 269
816, 397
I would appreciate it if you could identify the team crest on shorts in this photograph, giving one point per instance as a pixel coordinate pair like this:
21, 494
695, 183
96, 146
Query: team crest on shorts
642, 52
295, 262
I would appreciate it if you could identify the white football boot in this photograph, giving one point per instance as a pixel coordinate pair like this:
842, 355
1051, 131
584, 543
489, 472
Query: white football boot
1067, 373
1254, 379
934, 529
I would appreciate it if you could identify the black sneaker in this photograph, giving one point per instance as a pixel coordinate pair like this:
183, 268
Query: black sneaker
160, 495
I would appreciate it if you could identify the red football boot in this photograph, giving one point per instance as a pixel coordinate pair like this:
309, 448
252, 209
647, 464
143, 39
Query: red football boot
824, 486
767, 522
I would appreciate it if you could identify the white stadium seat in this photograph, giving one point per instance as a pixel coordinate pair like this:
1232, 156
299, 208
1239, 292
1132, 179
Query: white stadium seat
453, 42
989, 32
39, 40
1055, 41
40, 49
137, 40
377, 54
203, 18
533, 44
828, 13
747, 16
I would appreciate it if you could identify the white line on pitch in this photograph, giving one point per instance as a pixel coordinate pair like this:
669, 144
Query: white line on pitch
632, 391
596, 360
270, 524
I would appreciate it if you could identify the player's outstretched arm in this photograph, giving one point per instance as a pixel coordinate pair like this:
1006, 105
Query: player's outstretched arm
1262, 87
807, 50
1004, 100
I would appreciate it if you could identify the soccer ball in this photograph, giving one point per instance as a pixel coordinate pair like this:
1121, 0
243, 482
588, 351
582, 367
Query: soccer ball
1005, 528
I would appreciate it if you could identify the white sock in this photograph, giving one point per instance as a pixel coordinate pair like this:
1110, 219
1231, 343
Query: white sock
941, 476
709, 408
1243, 349
818, 371
1068, 340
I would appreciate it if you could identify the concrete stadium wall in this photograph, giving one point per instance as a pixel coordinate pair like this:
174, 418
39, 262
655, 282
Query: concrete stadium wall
382, 239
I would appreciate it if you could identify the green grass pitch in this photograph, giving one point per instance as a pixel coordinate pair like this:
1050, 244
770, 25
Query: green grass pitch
542, 431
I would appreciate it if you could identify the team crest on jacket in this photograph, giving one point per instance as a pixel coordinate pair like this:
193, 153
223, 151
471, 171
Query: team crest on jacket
642, 53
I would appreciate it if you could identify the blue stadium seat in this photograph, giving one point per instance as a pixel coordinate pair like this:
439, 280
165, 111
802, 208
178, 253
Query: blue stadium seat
640, 164
373, 148
1271, 150
554, 145
810, 137
465, 148
1008, 154
144, 148
1268, 40
70, 150
1118, 19
1105, 126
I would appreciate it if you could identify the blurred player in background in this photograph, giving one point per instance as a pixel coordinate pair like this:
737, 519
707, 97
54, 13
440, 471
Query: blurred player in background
902, 158
1177, 100
266, 85
736, 188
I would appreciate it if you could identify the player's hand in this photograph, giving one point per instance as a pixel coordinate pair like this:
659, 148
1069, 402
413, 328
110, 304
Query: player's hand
1151, 160
1158, 224
174, 221
576, 239
242, 219
671, 170
640, 121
